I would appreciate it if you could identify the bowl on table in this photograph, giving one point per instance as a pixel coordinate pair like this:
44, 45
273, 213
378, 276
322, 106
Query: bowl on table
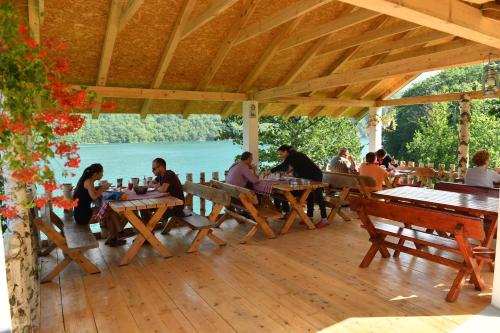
140, 189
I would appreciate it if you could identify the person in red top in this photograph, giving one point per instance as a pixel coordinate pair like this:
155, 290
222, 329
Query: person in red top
374, 171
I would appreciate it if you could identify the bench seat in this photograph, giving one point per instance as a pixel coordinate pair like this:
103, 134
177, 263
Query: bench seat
78, 236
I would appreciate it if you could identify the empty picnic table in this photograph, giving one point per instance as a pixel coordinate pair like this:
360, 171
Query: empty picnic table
469, 204
285, 188
159, 201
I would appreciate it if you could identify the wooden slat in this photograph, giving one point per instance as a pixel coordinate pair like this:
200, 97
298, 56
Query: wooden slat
208, 193
287, 14
452, 16
169, 50
217, 7
131, 9
435, 98
460, 56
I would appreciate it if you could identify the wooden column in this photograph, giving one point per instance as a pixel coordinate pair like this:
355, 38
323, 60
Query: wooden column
251, 129
464, 135
374, 129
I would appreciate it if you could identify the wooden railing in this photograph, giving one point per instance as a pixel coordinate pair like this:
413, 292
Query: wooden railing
441, 173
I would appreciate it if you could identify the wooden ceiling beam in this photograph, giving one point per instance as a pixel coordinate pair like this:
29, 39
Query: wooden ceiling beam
323, 101
226, 45
467, 54
129, 12
366, 37
434, 98
452, 16
287, 14
184, 95
264, 60
217, 7
339, 23
169, 50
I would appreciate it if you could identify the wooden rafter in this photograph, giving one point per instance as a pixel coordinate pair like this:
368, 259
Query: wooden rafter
339, 23
264, 60
334, 68
117, 19
217, 7
226, 45
34, 19
319, 101
366, 37
285, 15
435, 98
467, 54
452, 16
186, 95
169, 50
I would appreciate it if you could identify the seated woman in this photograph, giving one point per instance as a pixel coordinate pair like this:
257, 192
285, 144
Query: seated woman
373, 170
85, 192
480, 175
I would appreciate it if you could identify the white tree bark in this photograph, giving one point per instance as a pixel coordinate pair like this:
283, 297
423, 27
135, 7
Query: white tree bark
464, 136
21, 262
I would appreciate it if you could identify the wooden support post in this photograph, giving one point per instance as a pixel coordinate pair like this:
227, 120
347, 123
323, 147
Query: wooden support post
464, 136
375, 129
251, 129
202, 201
189, 204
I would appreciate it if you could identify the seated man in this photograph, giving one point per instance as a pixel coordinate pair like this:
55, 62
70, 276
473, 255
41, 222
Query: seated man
242, 172
480, 175
385, 159
166, 181
343, 163
371, 169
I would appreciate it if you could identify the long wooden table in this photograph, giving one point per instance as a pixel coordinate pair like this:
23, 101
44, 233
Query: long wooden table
129, 208
468, 204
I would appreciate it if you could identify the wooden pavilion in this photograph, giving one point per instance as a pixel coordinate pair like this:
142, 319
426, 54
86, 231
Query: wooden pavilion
338, 58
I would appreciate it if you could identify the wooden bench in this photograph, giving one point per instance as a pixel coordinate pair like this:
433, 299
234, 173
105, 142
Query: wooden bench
245, 201
204, 225
463, 228
468, 189
73, 239
341, 186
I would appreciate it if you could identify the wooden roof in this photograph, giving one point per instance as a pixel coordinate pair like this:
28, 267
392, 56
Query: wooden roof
296, 57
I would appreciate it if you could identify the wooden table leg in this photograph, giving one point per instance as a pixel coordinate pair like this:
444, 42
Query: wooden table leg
373, 237
297, 209
490, 234
145, 233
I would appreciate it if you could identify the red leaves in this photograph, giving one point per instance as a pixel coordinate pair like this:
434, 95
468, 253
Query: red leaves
8, 212
3, 198
50, 186
27, 174
22, 29
108, 105
62, 202
30, 42
61, 64
40, 202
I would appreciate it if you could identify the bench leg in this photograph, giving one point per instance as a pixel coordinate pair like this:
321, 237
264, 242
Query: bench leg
60, 266
215, 239
221, 220
456, 286
249, 235
344, 216
47, 250
197, 240
372, 251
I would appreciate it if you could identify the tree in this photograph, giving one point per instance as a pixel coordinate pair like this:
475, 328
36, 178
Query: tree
320, 138
436, 139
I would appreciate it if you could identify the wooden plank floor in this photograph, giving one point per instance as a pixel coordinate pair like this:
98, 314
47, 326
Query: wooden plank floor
305, 281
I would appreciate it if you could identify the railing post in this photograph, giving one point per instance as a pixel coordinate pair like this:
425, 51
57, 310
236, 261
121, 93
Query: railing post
215, 175
202, 201
189, 178
421, 165
451, 176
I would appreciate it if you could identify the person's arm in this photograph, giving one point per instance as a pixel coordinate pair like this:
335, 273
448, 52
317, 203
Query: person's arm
496, 177
281, 167
250, 175
95, 193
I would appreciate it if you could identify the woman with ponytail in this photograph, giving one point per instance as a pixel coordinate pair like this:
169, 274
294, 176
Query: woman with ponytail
86, 192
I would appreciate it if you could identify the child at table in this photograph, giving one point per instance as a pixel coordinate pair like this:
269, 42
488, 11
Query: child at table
86, 192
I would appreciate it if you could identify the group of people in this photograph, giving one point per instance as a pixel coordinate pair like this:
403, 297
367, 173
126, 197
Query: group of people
244, 174
86, 192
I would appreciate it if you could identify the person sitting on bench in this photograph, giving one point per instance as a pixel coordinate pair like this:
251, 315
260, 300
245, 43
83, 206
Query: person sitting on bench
480, 175
85, 192
371, 169
242, 172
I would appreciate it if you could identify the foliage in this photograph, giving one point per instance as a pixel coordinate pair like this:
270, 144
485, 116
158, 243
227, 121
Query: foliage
410, 119
436, 140
155, 128
36, 110
320, 138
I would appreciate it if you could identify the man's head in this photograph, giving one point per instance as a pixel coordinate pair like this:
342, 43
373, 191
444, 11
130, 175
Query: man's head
381, 153
370, 158
159, 166
284, 150
344, 152
247, 158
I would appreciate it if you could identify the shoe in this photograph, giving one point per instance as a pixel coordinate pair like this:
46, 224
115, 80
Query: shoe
113, 242
321, 224
126, 233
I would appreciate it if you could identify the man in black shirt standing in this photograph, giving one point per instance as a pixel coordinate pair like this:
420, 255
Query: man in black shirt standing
304, 167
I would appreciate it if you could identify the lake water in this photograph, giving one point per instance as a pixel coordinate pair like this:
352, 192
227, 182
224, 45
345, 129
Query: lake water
127, 160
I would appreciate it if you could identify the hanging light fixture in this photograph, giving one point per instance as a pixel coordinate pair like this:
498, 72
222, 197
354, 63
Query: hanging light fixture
490, 78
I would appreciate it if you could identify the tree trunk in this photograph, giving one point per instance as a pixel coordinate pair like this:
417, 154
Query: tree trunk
21, 261
464, 136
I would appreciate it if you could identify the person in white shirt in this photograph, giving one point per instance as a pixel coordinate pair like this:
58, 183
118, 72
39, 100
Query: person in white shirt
343, 162
480, 175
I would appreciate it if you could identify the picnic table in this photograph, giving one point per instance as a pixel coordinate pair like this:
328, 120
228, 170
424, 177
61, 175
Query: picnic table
129, 208
284, 188
468, 204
